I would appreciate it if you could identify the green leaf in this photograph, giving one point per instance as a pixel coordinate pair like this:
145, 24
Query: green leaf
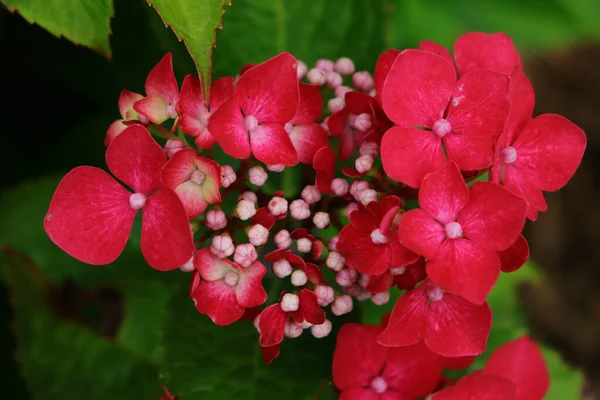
206, 361
84, 22
194, 22
62, 359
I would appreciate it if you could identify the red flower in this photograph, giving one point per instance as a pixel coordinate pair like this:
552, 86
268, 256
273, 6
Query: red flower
421, 91
448, 324
324, 166
226, 289
484, 51
252, 120
194, 114
365, 370
312, 271
368, 242
91, 214
162, 93
195, 179
459, 231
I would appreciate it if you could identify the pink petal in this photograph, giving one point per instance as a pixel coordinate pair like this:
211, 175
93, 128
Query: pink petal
152, 107
522, 362
464, 268
161, 81
413, 370
217, 300
420, 233
227, 127
271, 325
485, 51
444, 193
324, 166
458, 328
272, 145
435, 48
179, 168
269, 91
166, 240
89, 216
249, 291
478, 387
357, 358
136, 159
494, 217
220, 91
211, 267
382, 69
522, 101
549, 150
126, 101
359, 394
307, 140
408, 321
408, 154
310, 105
190, 195
309, 309
191, 101
515, 256
418, 88
522, 185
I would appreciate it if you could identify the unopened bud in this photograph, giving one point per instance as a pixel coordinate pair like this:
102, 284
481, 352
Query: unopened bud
317, 76
299, 209
302, 69
257, 175
276, 167
299, 278
282, 268
278, 205
346, 277
290, 302
333, 79
367, 196
227, 175
258, 235
324, 294
362, 80
283, 239
332, 244
340, 186
188, 266
173, 146
215, 220
250, 196
363, 164
311, 194
350, 208
336, 104
380, 299
344, 66
335, 261
321, 220
245, 209
304, 245
325, 65
292, 330
342, 305
222, 246
341, 91
320, 331
362, 122
357, 187
369, 149
245, 254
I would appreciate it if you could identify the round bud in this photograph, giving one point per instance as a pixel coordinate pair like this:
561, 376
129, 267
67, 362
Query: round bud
324, 294
380, 299
317, 76
250, 196
215, 220
310, 194
304, 245
340, 186
282, 268
362, 122
227, 176
369, 149
258, 235
344, 66
276, 167
321, 220
257, 175
245, 210
363, 164
336, 104
299, 209
222, 246
302, 69
188, 266
278, 205
333, 79
325, 65
332, 244
283, 239
346, 277
342, 305
341, 91
363, 80
299, 278
367, 196
290, 302
173, 146
350, 208
292, 330
320, 331
335, 261
245, 254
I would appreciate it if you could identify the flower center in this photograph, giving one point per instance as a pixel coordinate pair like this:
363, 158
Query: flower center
441, 127
250, 122
379, 385
197, 177
509, 154
137, 200
231, 278
378, 238
453, 230
434, 293
288, 127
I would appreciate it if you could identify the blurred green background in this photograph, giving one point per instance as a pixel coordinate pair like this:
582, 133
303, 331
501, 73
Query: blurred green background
109, 332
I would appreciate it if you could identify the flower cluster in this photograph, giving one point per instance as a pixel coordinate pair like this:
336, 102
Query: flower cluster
419, 176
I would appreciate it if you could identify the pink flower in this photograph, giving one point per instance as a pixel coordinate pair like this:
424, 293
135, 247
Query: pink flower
162, 93
91, 214
252, 120
448, 324
464, 117
195, 179
460, 230
194, 114
363, 369
225, 289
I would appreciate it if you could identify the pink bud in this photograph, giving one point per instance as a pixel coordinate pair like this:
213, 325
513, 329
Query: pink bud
325, 65
282, 268
258, 235
290, 302
137, 200
173, 146
278, 205
346, 277
320, 331
369, 149
324, 294
357, 187
325, 126
380, 299
276, 167
341, 91
245, 254
321, 220
292, 330
304, 245
215, 220
311, 194
336, 104
350, 208
435, 293
188, 266
316, 76
372, 92
335, 261
332, 244
299, 278
333, 79
227, 175
283, 239
340, 186
361, 294
222, 246
257, 175
362, 122
344, 66
342, 305
245, 209
231, 278
367, 196
304, 324
299, 209
363, 164
363, 280
302, 69
250, 196
363, 80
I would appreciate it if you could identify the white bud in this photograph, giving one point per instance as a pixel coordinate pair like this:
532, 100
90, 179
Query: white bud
335, 261
342, 305
245, 210
321, 220
282, 268
320, 331
299, 278
258, 235
290, 302
304, 245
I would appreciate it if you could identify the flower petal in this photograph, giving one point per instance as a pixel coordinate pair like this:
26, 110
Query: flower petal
435, 48
359, 394
418, 88
307, 140
444, 193
161, 81
419, 232
249, 291
89, 216
310, 105
271, 325
126, 101
309, 309
324, 166
485, 51
515, 256
166, 240
382, 69
477, 386
522, 101
227, 127
408, 154
220, 91
272, 145
408, 321
211, 267
179, 168
470, 152
136, 159
217, 300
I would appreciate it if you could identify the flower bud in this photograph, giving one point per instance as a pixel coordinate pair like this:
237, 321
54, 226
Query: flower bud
304, 324
340, 186
250, 196
245, 210
173, 146
346, 277
380, 299
215, 220
278, 205
299, 278
336, 104
276, 167
290, 302
363, 164
320, 331
283, 239
362, 80
325, 65
369, 149
227, 176
344, 66
311, 194
333, 79
302, 69
292, 330
341, 91
335, 261
321, 220
245, 254
188, 266
282, 268
324, 294
222, 246
367, 196
357, 187
257, 175
316, 76
258, 235
304, 245
362, 122
332, 244
342, 305
350, 208
299, 209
